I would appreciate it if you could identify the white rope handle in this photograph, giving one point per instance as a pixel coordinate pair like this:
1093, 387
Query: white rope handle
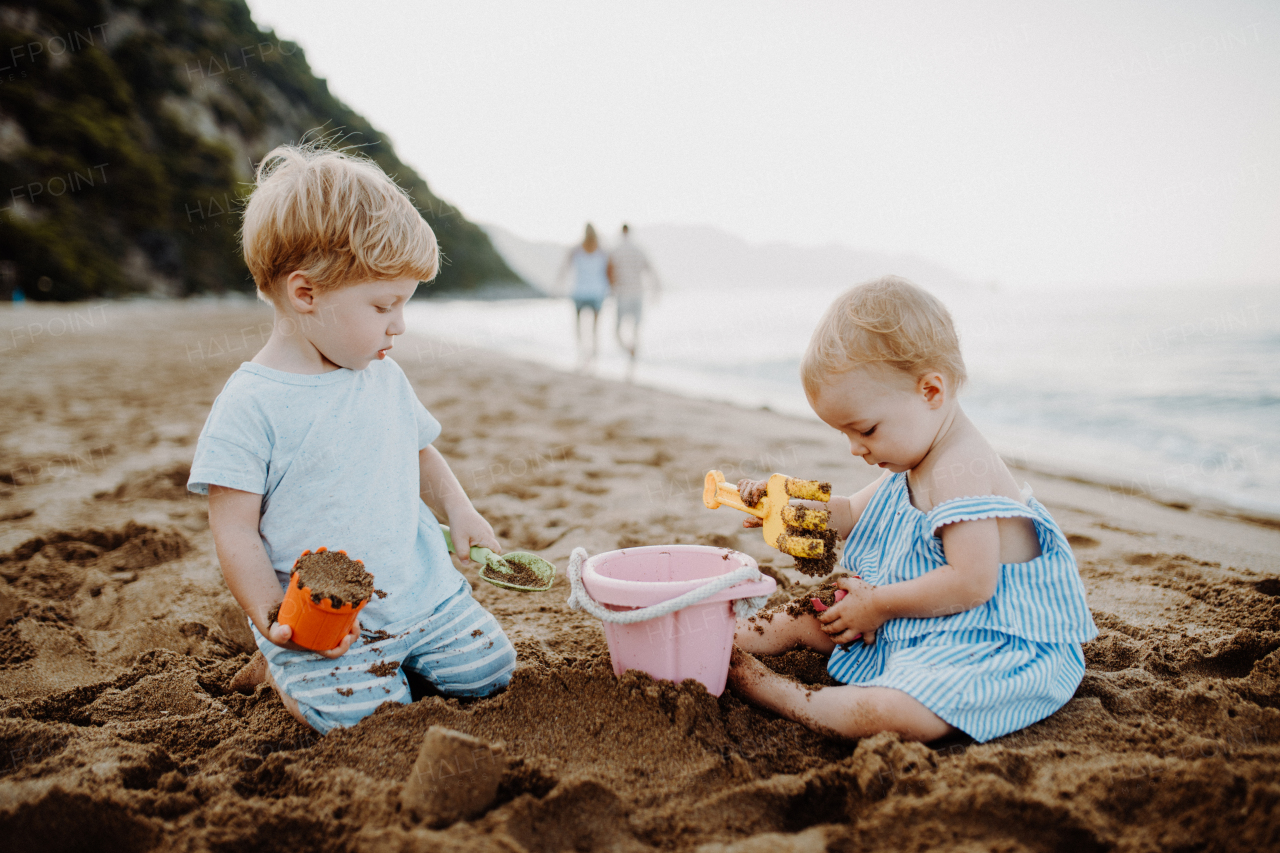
580, 600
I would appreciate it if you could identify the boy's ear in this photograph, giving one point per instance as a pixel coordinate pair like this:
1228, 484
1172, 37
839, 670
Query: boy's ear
933, 388
300, 293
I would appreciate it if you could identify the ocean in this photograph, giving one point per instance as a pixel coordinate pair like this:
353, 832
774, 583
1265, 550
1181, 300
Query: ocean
1149, 391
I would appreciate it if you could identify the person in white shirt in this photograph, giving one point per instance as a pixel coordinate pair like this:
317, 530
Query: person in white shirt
627, 267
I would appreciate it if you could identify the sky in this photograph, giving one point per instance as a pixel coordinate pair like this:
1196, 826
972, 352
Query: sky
1030, 145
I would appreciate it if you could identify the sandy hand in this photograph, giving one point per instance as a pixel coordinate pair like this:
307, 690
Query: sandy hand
839, 596
282, 635
854, 616
468, 529
752, 492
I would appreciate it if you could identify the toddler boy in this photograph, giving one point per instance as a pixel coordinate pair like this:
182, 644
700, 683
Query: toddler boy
321, 441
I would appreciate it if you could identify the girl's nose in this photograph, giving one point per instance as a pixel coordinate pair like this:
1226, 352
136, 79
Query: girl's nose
857, 449
396, 327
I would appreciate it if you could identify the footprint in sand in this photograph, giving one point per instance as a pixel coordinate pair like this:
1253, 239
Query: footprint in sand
166, 483
56, 564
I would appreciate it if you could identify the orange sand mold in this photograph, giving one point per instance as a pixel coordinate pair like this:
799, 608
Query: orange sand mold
318, 626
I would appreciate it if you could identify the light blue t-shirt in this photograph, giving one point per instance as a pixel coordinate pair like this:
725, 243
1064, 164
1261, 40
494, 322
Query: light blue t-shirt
591, 278
335, 458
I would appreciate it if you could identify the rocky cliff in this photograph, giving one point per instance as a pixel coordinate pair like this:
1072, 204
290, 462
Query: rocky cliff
128, 135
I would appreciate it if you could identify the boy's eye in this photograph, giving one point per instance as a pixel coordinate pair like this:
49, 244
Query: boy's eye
868, 432
382, 309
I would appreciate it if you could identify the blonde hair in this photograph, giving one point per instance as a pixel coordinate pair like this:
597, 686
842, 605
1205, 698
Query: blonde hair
887, 321
335, 217
590, 242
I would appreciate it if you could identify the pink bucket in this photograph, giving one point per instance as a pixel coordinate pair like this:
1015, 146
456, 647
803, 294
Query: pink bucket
694, 642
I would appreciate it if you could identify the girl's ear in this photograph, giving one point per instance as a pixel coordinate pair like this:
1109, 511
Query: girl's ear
300, 292
933, 388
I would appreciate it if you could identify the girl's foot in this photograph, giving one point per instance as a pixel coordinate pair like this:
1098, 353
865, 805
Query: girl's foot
745, 672
839, 712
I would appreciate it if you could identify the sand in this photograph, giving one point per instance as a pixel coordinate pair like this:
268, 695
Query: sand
334, 576
119, 729
515, 571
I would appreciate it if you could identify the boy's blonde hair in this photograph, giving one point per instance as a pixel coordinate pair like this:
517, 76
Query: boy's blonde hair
888, 321
335, 217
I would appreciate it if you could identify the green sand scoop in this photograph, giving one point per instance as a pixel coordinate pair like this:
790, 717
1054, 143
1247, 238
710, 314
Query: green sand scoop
504, 570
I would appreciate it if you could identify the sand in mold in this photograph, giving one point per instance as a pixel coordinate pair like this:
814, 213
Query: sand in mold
334, 576
514, 572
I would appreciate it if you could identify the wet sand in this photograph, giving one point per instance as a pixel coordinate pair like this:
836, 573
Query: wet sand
119, 729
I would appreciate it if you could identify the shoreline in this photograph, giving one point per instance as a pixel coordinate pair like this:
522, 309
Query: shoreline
1177, 499
226, 350
82, 315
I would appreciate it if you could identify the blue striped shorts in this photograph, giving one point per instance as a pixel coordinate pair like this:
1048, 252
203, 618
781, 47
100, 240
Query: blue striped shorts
459, 648
985, 683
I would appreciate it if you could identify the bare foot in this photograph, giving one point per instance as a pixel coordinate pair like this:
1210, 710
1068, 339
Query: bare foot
752, 680
846, 711
251, 674
746, 673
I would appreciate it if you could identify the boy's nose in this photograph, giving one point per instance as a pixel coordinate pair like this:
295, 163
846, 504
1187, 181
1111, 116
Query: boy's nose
857, 449
396, 326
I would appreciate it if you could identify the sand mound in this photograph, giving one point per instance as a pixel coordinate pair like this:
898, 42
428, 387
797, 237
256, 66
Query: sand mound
1168, 731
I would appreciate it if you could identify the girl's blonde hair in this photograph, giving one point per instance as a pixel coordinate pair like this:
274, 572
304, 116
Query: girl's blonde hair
335, 217
590, 242
888, 321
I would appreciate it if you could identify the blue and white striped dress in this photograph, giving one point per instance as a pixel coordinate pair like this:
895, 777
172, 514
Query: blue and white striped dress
987, 671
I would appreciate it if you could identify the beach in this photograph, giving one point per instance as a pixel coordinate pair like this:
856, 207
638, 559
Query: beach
119, 729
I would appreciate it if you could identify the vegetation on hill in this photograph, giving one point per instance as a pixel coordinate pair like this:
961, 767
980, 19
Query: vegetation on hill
128, 135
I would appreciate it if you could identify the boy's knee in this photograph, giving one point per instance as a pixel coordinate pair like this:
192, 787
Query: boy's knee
490, 675
501, 680
290, 704
334, 706
337, 716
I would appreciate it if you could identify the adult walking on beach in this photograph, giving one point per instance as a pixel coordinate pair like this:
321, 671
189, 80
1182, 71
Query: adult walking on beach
627, 267
590, 266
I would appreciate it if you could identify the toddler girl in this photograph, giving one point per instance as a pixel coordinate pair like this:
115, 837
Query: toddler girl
965, 609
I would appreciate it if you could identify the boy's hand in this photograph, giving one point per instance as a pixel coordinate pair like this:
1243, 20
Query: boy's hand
855, 614
468, 528
281, 634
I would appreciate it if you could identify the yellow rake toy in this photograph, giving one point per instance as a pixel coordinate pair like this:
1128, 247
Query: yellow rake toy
785, 526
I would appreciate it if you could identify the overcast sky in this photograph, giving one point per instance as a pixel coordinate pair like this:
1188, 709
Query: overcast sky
1016, 142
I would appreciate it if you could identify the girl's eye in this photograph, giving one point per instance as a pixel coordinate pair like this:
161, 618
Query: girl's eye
383, 310
867, 434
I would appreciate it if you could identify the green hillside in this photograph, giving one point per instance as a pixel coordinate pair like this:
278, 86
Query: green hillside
128, 134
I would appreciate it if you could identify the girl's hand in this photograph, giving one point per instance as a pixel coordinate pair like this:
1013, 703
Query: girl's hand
468, 528
281, 635
855, 614
752, 492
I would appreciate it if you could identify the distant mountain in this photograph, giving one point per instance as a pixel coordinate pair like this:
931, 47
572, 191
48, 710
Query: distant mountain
128, 134
536, 262
703, 257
